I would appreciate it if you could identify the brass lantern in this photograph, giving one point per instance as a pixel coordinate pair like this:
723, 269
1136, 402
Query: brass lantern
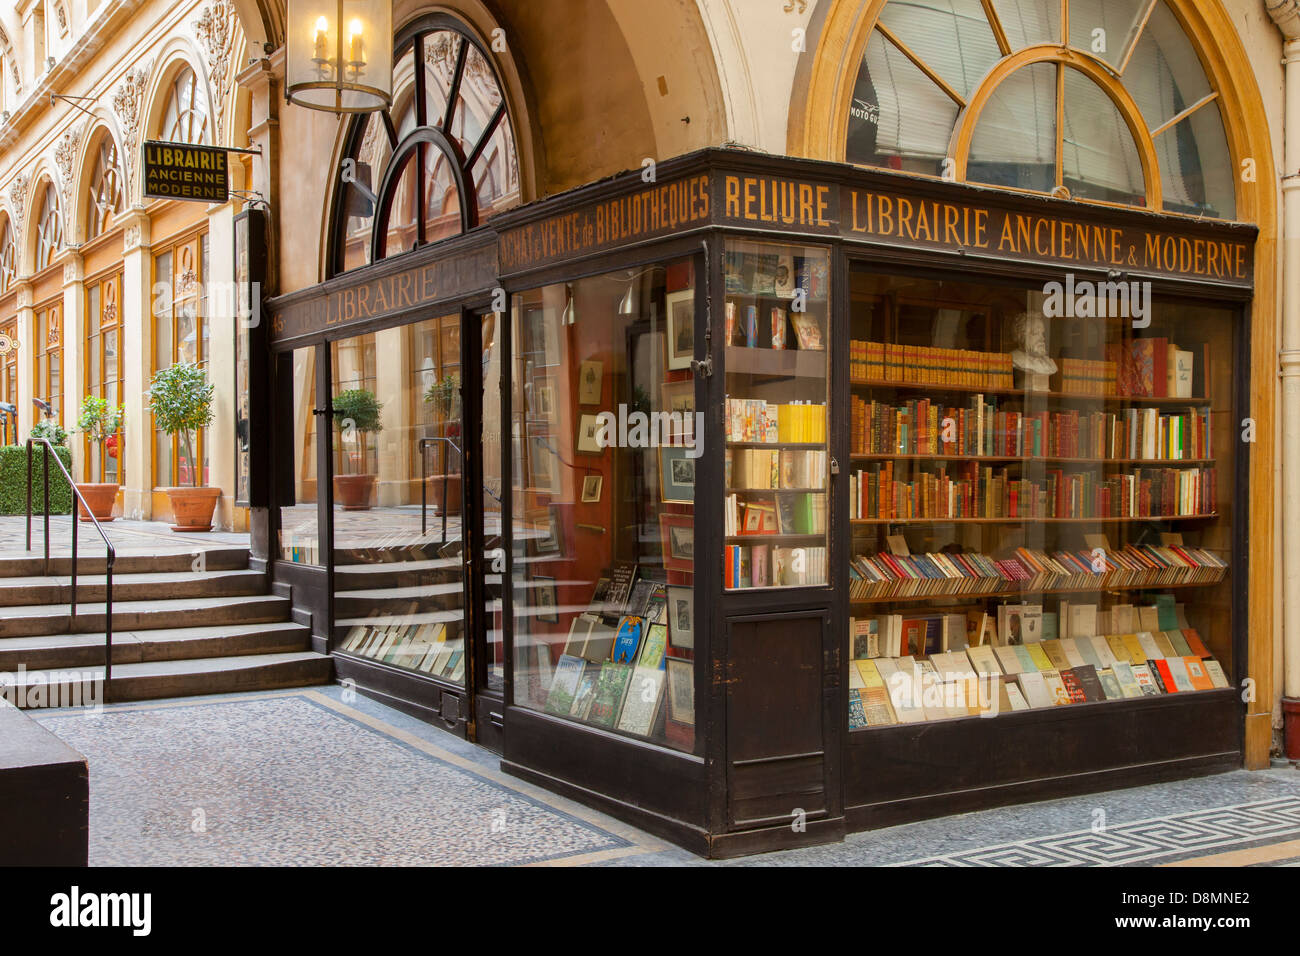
340, 55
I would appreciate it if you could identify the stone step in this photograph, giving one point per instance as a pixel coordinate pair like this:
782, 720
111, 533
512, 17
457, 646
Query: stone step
174, 678
91, 560
410, 600
140, 586
398, 574
29, 621
132, 647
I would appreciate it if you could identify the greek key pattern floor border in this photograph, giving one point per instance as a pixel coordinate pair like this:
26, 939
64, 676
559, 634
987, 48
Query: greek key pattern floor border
1141, 842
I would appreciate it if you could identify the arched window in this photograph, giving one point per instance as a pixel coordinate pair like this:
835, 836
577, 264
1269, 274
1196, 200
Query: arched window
1097, 100
8, 259
185, 119
105, 188
440, 162
49, 228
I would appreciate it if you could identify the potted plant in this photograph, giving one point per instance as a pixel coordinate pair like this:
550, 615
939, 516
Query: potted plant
180, 398
99, 422
357, 414
443, 399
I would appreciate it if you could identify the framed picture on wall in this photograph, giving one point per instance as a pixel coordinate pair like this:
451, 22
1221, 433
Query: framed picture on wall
681, 328
544, 599
545, 531
681, 691
676, 474
678, 532
591, 488
589, 435
681, 616
678, 399
544, 399
590, 380
543, 462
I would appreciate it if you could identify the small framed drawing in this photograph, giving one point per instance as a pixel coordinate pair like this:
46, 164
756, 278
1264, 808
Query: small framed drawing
678, 532
543, 462
591, 488
589, 435
681, 617
681, 328
544, 399
548, 611
590, 377
681, 691
676, 474
679, 399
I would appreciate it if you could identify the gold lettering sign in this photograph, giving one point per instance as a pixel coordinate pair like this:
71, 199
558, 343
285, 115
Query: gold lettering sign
184, 172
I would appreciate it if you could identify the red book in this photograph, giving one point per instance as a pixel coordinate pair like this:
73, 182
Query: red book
1195, 643
1165, 675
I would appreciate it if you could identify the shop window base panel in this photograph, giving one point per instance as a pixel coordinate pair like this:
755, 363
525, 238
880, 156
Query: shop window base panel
419, 697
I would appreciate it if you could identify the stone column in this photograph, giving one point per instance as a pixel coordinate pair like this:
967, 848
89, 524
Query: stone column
74, 358
26, 358
137, 364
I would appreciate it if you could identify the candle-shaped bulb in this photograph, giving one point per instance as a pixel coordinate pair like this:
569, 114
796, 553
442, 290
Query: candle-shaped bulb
322, 29
357, 51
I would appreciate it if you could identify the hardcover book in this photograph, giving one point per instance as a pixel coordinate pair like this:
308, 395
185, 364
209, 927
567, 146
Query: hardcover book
568, 674
610, 688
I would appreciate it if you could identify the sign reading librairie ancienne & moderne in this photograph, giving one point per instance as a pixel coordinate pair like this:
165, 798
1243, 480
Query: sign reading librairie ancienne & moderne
185, 172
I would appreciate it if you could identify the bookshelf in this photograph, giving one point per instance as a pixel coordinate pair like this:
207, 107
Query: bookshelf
1031, 534
776, 469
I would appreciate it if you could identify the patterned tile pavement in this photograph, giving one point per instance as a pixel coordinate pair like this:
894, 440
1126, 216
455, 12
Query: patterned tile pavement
308, 777
127, 536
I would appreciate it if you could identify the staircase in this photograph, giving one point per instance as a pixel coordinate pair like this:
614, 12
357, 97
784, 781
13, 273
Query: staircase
177, 630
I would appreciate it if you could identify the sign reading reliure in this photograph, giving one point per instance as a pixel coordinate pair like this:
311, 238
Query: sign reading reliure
185, 172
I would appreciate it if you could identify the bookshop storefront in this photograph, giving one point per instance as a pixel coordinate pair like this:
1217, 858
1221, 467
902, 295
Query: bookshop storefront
776, 499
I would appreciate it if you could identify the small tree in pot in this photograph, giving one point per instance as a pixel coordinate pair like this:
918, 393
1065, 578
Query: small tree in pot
99, 421
180, 398
443, 399
357, 413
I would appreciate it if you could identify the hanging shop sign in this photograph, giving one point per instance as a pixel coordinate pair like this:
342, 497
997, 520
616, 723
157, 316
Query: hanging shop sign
186, 172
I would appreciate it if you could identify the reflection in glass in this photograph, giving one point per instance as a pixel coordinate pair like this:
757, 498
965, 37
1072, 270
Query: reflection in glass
1099, 157
1196, 167
1015, 139
299, 522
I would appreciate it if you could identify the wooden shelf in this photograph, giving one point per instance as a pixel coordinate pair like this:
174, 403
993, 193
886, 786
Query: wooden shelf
873, 521
974, 596
776, 538
777, 363
1149, 462
777, 445
776, 491
1022, 392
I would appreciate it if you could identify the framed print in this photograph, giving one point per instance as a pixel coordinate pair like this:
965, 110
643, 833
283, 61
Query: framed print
679, 398
589, 435
676, 474
681, 616
543, 462
678, 533
590, 378
591, 488
548, 533
548, 611
681, 328
544, 399
681, 691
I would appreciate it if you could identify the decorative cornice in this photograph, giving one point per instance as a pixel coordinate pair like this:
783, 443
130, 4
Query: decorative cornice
128, 101
18, 204
65, 158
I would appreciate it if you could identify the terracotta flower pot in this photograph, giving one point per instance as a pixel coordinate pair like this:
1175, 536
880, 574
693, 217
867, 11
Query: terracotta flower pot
192, 508
453, 493
353, 491
100, 498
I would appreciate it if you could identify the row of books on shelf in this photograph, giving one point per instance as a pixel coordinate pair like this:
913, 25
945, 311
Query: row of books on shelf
756, 420
881, 492
799, 512
300, 549
882, 576
1141, 367
928, 365
419, 646
776, 274
743, 328
771, 566
923, 427
767, 469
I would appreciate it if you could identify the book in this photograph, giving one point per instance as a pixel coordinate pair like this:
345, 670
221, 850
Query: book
1034, 688
610, 689
641, 704
1217, 676
585, 695
1056, 687
1110, 684
1196, 673
1146, 680
568, 674
627, 641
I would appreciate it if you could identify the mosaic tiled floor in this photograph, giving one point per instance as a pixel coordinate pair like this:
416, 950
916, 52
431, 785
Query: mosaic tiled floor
321, 776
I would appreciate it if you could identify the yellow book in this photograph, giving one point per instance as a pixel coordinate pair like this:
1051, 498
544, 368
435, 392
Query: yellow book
1136, 653
1056, 654
1120, 649
870, 674
1166, 646
1041, 660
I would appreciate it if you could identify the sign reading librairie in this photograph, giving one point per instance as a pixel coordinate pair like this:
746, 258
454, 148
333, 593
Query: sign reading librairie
185, 172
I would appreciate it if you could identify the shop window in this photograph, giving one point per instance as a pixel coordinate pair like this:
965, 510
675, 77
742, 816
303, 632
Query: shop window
603, 522
440, 162
924, 101
49, 361
180, 334
299, 521
1037, 490
49, 228
9, 382
185, 118
104, 374
8, 258
105, 197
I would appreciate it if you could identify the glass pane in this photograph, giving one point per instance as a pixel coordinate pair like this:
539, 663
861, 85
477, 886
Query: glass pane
603, 519
440, 51
1105, 28
398, 536
900, 119
496, 172
1196, 168
1041, 523
94, 379
56, 385
299, 521
187, 332
1165, 75
476, 101
1015, 138
163, 475
952, 37
1100, 159
110, 365
403, 112
442, 216
402, 223
359, 190
776, 465
492, 503
1029, 22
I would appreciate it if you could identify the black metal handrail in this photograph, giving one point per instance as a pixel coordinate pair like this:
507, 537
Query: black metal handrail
112, 553
424, 485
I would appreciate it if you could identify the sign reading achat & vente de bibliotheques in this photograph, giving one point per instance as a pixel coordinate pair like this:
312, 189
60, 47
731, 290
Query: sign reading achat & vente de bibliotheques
185, 172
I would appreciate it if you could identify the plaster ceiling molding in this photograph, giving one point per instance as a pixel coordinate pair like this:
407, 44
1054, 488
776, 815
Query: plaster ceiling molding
65, 158
215, 30
128, 102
